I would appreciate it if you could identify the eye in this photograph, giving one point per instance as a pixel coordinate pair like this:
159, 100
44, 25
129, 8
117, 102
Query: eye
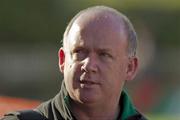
79, 54
105, 55
79, 51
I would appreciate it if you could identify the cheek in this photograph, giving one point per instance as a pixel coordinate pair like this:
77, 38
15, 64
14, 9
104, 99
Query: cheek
68, 66
72, 73
69, 70
119, 74
113, 81
114, 72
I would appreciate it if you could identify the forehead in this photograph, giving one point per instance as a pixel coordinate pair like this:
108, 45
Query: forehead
101, 19
102, 31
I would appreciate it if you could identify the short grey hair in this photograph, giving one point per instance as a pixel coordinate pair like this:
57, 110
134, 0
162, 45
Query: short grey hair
129, 29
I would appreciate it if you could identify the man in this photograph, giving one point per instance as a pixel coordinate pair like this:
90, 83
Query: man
97, 58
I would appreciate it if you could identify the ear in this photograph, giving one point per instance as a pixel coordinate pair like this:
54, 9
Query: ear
132, 68
61, 56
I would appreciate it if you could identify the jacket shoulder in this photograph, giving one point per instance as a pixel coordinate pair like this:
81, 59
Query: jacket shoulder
25, 115
137, 117
11, 116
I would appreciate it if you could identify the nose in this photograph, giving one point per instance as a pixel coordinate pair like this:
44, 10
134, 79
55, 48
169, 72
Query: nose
90, 64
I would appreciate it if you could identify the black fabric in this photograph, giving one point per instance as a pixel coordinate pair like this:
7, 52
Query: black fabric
137, 117
30, 115
58, 108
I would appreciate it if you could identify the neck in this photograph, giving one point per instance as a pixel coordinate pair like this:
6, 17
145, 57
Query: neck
95, 112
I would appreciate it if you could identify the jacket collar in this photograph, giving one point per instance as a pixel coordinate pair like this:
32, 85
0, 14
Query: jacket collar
127, 108
63, 106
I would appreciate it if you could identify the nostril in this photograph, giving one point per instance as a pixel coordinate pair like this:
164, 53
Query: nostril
85, 65
89, 68
89, 64
83, 68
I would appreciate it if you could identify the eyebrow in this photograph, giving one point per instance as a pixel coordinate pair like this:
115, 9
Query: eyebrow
104, 49
78, 47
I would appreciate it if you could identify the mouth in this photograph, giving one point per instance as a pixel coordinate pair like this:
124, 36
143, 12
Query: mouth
87, 84
86, 81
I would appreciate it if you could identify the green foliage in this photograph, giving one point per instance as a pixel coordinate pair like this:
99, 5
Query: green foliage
44, 21
163, 117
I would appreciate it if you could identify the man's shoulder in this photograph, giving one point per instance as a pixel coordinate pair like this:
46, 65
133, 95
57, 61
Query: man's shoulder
138, 116
24, 115
11, 116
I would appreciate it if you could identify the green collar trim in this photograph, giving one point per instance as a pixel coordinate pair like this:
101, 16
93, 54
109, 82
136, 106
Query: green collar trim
127, 108
67, 100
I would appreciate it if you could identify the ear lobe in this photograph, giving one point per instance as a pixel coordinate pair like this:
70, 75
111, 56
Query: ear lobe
132, 68
61, 56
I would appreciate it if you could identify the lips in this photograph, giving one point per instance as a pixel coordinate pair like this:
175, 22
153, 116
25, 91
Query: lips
86, 79
87, 82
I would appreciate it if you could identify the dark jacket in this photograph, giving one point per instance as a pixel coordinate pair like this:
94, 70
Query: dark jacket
58, 108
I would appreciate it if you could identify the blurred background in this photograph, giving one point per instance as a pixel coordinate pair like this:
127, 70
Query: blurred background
30, 35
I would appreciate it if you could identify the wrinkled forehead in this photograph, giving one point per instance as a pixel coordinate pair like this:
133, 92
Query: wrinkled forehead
97, 23
100, 19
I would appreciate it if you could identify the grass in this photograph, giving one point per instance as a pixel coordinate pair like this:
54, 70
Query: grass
163, 117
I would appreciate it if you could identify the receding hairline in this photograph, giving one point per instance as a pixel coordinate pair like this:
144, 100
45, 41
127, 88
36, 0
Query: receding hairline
104, 10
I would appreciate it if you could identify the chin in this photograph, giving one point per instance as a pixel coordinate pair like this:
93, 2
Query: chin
88, 99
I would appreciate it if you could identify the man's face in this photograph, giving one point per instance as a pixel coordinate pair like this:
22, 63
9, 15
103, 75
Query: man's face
96, 61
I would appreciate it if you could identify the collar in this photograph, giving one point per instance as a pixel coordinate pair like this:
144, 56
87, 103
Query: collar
126, 107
